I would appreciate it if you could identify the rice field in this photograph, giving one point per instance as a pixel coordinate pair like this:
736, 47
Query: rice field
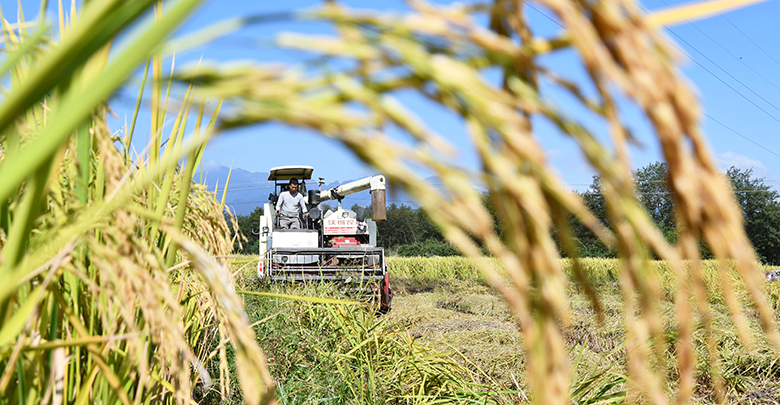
456, 332
116, 286
112, 262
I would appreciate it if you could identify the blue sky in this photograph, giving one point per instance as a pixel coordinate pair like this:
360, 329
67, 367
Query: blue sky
732, 60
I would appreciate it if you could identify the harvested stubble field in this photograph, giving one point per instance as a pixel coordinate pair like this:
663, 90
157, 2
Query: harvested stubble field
449, 327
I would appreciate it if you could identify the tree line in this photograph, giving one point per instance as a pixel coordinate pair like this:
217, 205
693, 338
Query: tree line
410, 232
759, 203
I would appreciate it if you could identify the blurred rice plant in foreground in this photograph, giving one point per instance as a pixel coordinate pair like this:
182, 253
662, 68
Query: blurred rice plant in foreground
110, 292
438, 52
99, 300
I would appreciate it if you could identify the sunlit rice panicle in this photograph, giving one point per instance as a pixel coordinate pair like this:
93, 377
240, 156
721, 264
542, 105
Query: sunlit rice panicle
438, 52
90, 234
107, 258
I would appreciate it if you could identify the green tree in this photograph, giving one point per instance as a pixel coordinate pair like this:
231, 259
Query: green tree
250, 227
400, 228
589, 245
596, 201
760, 207
427, 230
493, 214
652, 190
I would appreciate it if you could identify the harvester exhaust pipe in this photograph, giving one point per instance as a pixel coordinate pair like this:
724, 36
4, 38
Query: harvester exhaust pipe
360, 213
378, 206
314, 197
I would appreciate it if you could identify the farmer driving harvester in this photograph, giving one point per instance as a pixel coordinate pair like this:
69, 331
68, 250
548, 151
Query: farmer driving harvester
288, 204
337, 246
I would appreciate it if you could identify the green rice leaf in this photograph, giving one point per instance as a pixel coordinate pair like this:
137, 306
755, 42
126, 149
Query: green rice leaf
77, 103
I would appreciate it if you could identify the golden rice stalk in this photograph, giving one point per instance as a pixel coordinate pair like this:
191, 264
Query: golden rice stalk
438, 52
97, 306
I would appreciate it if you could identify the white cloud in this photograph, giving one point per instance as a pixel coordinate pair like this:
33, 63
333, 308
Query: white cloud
729, 159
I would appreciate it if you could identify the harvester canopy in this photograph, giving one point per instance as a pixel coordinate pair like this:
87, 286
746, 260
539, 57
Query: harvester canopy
285, 173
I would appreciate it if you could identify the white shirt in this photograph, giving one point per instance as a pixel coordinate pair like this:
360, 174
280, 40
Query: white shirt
288, 204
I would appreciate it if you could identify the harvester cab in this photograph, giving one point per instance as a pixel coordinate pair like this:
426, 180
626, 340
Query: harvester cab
336, 246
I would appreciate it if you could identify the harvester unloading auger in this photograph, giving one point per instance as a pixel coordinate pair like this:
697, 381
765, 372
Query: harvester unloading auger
336, 246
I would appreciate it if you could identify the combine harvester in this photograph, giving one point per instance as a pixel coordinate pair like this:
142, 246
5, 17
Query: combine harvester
337, 246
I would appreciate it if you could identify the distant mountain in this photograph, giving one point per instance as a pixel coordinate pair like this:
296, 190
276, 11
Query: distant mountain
246, 190
249, 190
